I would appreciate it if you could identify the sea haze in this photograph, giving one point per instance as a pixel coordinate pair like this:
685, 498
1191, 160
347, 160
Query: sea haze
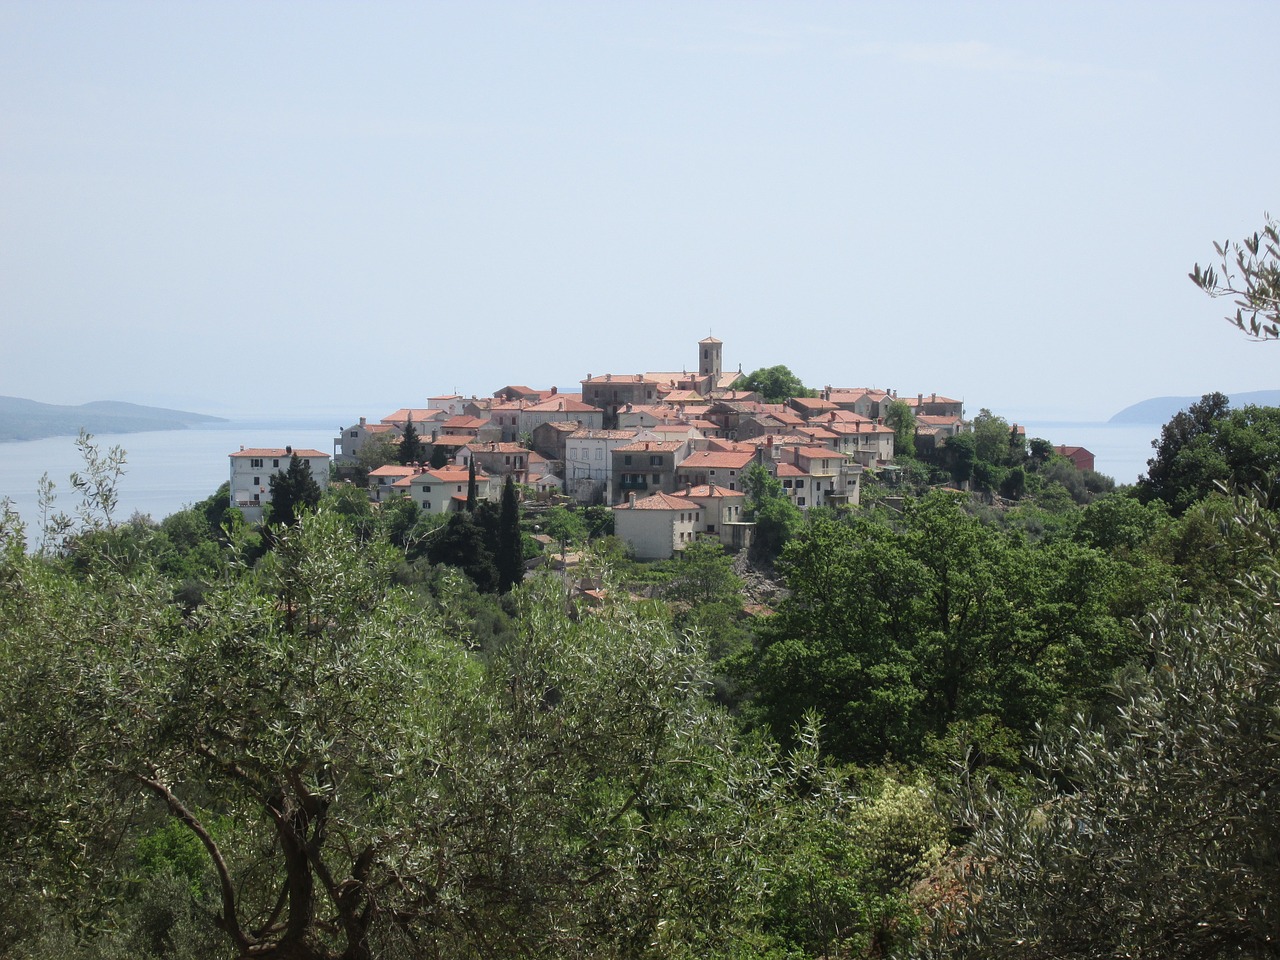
166, 470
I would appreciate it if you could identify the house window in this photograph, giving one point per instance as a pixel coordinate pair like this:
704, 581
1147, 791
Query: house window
276, 462
657, 478
255, 462
426, 504
626, 459
354, 433
800, 484
255, 498
800, 501
257, 481
599, 453
655, 461
786, 484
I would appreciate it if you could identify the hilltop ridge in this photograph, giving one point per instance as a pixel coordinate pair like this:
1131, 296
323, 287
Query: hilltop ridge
22, 419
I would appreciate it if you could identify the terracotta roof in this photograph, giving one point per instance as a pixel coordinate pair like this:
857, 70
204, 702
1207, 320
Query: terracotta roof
393, 470
841, 415
731, 460
928, 398
274, 452
811, 403
819, 433
463, 422
658, 501
785, 468
418, 415
706, 490
816, 453
731, 446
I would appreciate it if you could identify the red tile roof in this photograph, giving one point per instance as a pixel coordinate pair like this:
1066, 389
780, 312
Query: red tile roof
274, 452
729, 460
659, 501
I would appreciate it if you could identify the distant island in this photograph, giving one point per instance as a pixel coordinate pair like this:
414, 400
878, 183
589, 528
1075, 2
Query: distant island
32, 420
1162, 409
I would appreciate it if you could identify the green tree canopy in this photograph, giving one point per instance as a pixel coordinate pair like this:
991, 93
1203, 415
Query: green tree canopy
319, 768
902, 418
1209, 446
894, 632
1152, 830
775, 384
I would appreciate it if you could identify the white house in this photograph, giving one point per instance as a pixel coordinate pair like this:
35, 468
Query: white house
658, 525
588, 462
347, 445
443, 490
252, 469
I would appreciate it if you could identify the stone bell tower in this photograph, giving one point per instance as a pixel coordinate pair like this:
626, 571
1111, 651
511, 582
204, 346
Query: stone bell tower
709, 359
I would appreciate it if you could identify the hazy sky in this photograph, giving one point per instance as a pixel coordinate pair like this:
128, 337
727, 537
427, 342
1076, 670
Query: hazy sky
345, 208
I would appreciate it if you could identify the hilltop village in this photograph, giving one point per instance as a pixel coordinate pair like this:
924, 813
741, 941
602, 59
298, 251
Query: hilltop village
665, 450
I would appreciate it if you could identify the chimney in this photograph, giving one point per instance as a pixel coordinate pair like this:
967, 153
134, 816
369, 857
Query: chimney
362, 421
935, 399
288, 451
631, 498
919, 399
554, 391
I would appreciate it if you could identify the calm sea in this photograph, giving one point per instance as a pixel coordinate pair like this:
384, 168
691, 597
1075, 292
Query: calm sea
165, 470
1120, 450
171, 469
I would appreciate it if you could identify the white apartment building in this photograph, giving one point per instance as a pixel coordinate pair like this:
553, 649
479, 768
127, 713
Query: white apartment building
252, 469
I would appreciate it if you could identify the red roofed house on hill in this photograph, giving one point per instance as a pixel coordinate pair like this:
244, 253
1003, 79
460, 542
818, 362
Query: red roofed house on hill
252, 469
1080, 458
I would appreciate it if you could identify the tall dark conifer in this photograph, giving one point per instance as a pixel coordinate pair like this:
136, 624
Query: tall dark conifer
471, 484
410, 444
293, 491
510, 552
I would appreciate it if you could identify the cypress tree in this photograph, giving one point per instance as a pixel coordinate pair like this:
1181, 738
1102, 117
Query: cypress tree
293, 491
471, 484
410, 444
510, 546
